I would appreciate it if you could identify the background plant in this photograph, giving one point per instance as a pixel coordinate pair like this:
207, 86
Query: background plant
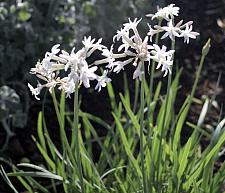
13, 113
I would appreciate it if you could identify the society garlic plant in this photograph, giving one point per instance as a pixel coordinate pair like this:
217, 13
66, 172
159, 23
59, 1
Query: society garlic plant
142, 149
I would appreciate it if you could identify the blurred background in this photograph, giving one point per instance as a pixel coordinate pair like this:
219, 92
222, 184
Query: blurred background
29, 28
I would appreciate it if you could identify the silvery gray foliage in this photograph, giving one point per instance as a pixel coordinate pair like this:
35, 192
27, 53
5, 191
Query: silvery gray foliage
28, 28
11, 113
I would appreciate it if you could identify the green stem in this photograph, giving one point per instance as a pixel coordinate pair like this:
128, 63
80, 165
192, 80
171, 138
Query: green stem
76, 129
152, 78
162, 135
197, 76
142, 130
136, 95
59, 118
205, 51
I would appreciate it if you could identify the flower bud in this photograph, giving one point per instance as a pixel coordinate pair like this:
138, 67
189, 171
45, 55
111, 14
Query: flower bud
206, 47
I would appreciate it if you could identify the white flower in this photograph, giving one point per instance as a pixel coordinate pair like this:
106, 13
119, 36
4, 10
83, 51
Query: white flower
87, 74
124, 46
73, 75
142, 49
90, 46
88, 42
108, 53
188, 33
126, 40
68, 84
131, 24
166, 13
120, 33
35, 91
51, 84
69, 88
109, 57
139, 48
43, 68
159, 54
55, 50
72, 58
119, 66
152, 32
171, 30
166, 65
102, 81
160, 14
135, 48
163, 58
138, 72
171, 11
47, 64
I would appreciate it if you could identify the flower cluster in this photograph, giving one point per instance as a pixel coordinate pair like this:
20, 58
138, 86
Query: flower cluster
138, 51
62, 69
171, 30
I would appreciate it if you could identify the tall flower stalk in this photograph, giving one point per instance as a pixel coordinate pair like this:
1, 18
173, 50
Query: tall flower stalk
152, 72
76, 134
166, 111
68, 72
135, 49
142, 99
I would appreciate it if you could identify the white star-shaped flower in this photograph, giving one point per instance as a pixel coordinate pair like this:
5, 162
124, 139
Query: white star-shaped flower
171, 30
102, 81
166, 13
138, 72
35, 91
188, 33
87, 74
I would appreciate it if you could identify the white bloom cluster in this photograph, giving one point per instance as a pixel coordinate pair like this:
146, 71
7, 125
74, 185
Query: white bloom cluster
63, 69
133, 47
166, 13
171, 30
137, 51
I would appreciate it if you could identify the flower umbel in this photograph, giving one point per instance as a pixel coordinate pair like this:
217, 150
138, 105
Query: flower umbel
166, 13
138, 50
171, 30
61, 69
